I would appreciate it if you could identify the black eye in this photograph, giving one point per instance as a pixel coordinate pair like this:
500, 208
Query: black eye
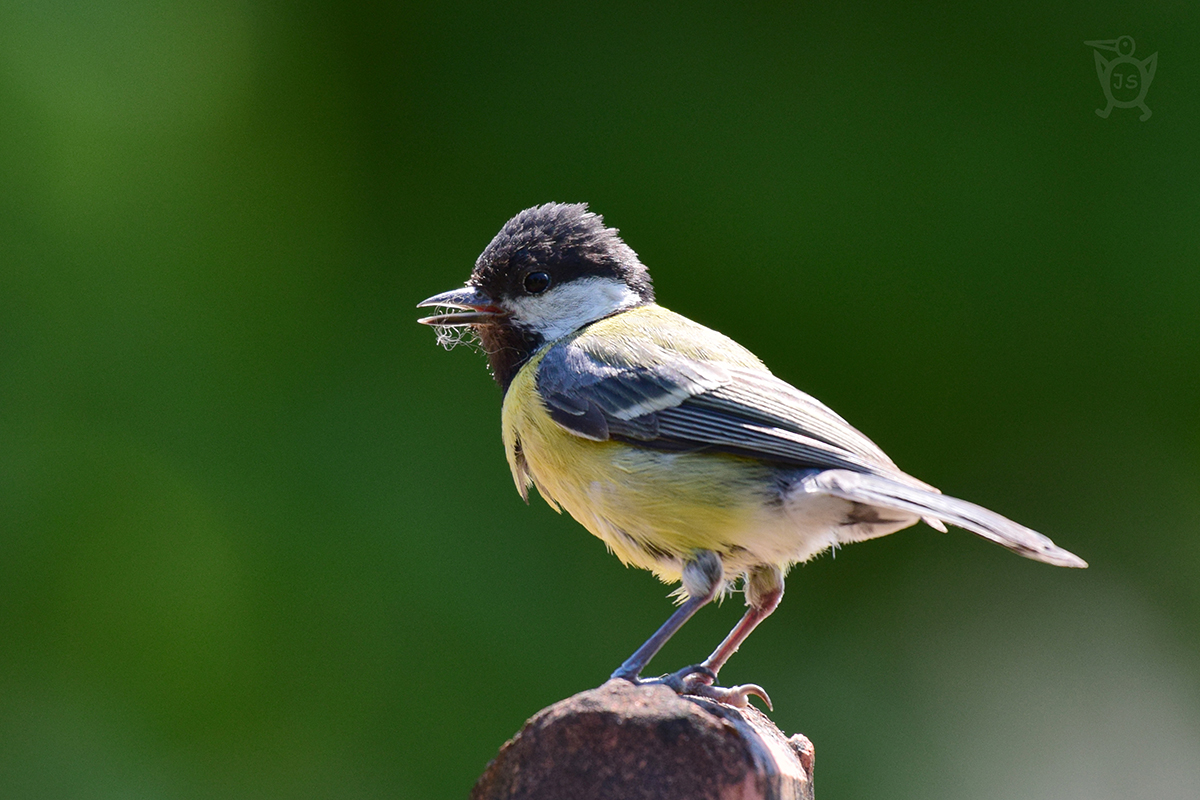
537, 282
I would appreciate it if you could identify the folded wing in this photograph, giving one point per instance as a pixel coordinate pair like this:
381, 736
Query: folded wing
651, 395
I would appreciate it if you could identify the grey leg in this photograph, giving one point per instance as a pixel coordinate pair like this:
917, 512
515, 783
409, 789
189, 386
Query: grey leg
702, 578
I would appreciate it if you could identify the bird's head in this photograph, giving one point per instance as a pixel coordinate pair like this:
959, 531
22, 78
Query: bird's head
549, 271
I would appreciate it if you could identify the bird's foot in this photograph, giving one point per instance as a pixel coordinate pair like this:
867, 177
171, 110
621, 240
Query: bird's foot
700, 681
700, 684
677, 681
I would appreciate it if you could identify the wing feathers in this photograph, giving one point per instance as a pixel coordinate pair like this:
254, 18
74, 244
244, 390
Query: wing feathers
659, 398
766, 399
655, 396
652, 394
728, 433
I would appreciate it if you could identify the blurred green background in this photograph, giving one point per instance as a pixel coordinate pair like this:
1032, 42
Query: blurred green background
257, 535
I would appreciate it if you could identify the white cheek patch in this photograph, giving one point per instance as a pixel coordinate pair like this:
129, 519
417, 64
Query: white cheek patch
563, 308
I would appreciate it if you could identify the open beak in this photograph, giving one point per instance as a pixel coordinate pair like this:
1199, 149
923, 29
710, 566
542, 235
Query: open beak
1104, 44
477, 308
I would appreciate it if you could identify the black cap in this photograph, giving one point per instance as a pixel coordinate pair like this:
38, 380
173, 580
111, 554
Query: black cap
563, 239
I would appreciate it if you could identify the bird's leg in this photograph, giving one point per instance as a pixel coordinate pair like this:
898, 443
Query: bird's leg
764, 590
703, 575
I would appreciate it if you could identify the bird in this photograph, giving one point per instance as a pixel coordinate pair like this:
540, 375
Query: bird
669, 441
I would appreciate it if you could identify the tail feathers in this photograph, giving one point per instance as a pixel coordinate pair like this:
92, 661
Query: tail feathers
884, 492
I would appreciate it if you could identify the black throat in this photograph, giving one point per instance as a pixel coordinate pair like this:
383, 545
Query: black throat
508, 347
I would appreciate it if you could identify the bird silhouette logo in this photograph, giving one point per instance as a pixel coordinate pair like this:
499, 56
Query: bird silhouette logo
1124, 79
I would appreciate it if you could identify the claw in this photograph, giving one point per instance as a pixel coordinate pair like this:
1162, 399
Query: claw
698, 680
738, 696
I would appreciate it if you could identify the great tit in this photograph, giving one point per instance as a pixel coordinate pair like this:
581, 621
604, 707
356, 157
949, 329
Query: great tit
669, 441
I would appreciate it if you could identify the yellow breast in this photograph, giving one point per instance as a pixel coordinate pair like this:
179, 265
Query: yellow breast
651, 508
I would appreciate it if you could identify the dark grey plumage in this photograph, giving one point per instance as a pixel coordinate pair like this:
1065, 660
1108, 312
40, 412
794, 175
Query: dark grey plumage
660, 399
669, 402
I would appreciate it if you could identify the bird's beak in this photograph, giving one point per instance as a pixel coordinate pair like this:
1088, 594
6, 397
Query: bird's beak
477, 308
1105, 44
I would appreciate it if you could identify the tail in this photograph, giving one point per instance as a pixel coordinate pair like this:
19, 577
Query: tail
875, 490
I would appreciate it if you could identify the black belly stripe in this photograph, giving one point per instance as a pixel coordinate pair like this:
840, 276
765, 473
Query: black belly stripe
653, 551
